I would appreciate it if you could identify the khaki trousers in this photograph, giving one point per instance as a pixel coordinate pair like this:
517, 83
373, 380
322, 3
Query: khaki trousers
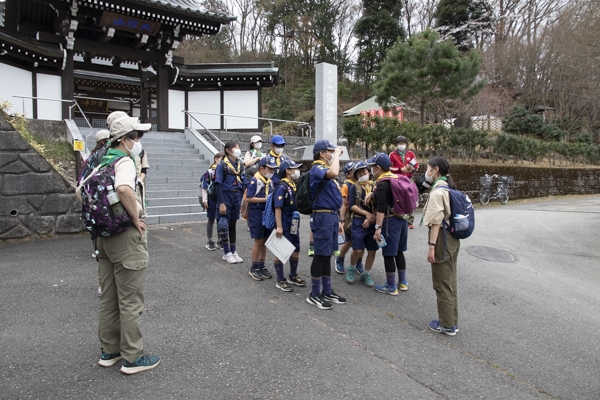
122, 265
443, 273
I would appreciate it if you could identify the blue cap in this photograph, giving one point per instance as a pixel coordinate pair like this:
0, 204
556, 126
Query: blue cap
267, 162
382, 160
359, 165
323, 144
349, 166
287, 164
278, 140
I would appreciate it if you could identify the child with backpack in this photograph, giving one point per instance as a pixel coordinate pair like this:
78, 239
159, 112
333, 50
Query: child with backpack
443, 246
209, 201
287, 222
259, 188
360, 206
346, 216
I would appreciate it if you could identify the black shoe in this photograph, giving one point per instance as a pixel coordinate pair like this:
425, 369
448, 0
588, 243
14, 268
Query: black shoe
256, 274
265, 273
296, 280
283, 285
334, 298
319, 301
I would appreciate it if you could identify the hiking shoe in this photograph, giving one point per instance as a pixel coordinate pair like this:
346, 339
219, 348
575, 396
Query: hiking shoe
385, 288
311, 251
256, 274
211, 246
410, 226
350, 274
359, 267
238, 259
265, 273
229, 258
403, 286
334, 298
436, 327
219, 245
335, 253
296, 280
319, 301
108, 360
339, 265
367, 280
284, 285
99, 291
142, 363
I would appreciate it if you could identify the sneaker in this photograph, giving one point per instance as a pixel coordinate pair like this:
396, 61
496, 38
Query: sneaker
99, 291
265, 273
335, 253
256, 274
403, 286
385, 288
311, 251
229, 258
284, 285
436, 327
319, 301
219, 245
334, 298
211, 246
142, 363
410, 226
339, 265
359, 267
366, 279
296, 280
350, 274
108, 360
238, 259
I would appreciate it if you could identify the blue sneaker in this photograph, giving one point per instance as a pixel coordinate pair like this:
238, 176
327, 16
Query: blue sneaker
350, 274
360, 269
339, 265
366, 279
385, 288
436, 327
142, 363
108, 360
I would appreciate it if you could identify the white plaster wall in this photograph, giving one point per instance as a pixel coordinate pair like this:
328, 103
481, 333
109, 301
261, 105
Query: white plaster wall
176, 104
206, 102
49, 87
16, 81
241, 103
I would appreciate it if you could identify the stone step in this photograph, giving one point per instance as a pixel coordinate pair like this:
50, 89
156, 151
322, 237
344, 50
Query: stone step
174, 209
157, 180
167, 193
150, 187
177, 170
168, 145
180, 156
172, 201
188, 162
174, 151
175, 218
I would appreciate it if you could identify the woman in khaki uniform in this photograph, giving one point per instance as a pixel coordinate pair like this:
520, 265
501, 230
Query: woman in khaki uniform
443, 249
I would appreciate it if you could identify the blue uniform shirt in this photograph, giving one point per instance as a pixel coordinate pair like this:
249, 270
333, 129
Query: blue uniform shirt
231, 179
363, 193
284, 197
258, 188
330, 197
276, 159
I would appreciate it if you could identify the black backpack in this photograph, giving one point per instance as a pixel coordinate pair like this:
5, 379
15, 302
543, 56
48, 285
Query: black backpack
304, 203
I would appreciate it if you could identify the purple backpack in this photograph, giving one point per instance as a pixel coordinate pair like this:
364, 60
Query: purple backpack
405, 194
100, 218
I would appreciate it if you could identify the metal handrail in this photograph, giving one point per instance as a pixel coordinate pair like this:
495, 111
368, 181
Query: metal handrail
205, 128
86, 120
269, 120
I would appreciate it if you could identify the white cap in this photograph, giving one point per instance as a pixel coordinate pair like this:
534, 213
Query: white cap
255, 139
113, 116
124, 125
102, 135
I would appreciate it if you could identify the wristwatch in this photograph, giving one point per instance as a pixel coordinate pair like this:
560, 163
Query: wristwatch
377, 226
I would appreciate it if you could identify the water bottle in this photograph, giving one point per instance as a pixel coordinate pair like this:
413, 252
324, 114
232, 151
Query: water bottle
295, 223
113, 199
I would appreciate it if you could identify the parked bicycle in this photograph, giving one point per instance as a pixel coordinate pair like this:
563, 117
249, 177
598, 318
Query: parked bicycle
502, 190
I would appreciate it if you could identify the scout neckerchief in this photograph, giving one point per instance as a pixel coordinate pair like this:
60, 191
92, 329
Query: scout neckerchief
402, 154
290, 182
265, 181
291, 189
111, 155
277, 157
256, 153
323, 163
235, 171
386, 174
441, 178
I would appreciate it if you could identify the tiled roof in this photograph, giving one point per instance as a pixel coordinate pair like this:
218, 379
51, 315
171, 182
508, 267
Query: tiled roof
190, 7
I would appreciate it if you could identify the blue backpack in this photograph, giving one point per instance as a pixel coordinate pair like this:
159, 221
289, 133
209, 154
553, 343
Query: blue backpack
462, 220
268, 217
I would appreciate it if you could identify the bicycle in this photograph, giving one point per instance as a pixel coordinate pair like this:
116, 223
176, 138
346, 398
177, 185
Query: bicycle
502, 190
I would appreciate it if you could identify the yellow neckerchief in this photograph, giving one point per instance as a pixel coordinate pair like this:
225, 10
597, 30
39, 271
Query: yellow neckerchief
367, 187
386, 174
236, 171
352, 181
264, 180
291, 183
323, 163
277, 157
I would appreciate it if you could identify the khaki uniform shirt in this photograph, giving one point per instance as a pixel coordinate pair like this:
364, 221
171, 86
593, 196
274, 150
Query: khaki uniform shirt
437, 208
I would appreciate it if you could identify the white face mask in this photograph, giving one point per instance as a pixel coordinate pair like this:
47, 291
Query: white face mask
258, 145
364, 178
278, 150
296, 174
401, 147
428, 178
237, 153
135, 150
268, 175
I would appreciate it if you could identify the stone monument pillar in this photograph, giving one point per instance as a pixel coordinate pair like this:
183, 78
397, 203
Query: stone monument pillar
325, 108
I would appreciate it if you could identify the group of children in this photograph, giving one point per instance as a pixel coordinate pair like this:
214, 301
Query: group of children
360, 209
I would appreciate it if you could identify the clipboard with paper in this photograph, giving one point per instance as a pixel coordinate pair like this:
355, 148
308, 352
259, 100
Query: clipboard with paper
280, 247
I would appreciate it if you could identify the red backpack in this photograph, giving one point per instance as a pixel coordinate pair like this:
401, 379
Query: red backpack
405, 194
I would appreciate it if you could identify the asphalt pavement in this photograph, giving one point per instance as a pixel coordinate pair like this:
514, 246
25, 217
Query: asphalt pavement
529, 329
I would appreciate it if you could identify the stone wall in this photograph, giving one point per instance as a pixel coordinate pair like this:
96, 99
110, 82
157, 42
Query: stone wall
34, 198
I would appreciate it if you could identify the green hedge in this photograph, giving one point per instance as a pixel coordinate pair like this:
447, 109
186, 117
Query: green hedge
463, 143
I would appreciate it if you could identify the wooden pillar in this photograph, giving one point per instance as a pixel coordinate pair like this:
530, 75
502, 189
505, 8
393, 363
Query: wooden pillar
144, 96
162, 96
68, 84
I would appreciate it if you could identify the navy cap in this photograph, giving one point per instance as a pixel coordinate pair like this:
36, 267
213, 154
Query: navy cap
359, 165
267, 162
322, 145
349, 166
287, 164
278, 140
382, 160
